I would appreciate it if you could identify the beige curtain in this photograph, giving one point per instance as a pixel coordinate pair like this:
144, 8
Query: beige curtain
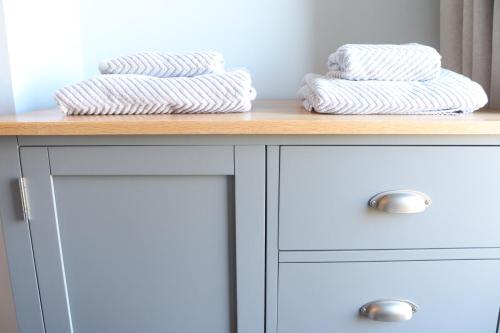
470, 42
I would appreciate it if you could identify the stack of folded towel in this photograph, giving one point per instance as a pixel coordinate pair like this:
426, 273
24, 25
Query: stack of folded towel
389, 79
154, 83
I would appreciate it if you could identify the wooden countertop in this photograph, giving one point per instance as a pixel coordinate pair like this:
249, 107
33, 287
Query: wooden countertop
268, 117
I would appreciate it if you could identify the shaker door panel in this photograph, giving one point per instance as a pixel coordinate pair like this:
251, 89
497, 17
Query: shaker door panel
140, 243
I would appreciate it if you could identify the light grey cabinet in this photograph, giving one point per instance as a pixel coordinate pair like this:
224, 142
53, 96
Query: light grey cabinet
249, 234
147, 238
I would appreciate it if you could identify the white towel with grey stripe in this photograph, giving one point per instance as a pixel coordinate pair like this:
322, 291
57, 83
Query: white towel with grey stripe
140, 94
165, 64
449, 93
407, 62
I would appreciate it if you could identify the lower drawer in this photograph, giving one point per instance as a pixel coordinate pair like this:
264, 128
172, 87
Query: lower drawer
452, 296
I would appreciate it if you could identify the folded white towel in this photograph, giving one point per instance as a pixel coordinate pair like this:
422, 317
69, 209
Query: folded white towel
139, 94
408, 62
165, 64
449, 93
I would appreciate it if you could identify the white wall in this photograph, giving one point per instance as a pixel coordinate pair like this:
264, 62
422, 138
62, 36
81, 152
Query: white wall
6, 98
43, 39
55, 42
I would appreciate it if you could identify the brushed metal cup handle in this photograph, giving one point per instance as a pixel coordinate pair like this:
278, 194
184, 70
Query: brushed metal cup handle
401, 201
389, 310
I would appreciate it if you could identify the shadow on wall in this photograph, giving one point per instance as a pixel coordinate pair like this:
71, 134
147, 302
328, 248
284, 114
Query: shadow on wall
371, 22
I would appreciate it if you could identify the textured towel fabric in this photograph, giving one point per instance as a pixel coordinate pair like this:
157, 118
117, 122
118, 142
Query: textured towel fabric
408, 62
165, 64
139, 94
449, 93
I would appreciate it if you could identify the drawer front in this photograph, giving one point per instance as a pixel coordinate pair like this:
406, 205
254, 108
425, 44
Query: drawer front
324, 195
452, 296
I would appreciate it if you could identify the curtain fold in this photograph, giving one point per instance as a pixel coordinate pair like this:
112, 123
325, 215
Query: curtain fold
470, 42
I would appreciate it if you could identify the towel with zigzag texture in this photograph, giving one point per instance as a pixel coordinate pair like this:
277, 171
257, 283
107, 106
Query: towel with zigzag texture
140, 94
160, 64
449, 93
407, 62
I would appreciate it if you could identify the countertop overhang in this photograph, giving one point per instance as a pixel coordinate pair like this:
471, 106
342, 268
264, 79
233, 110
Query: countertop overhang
268, 117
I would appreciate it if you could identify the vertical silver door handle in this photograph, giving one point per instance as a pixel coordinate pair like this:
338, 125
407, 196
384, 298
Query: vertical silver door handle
24, 199
389, 310
401, 201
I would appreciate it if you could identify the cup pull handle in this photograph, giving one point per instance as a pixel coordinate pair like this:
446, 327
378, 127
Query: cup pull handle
389, 310
401, 201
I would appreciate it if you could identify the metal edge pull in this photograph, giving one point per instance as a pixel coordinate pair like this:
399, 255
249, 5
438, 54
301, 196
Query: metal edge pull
401, 201
24, 199
389, 310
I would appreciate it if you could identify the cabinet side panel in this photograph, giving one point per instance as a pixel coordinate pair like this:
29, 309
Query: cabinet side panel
17, 242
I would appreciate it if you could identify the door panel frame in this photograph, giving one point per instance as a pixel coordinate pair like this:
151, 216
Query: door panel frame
46, 241
171, 160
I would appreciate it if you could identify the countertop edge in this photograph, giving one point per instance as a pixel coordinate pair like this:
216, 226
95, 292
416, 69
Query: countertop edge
271, 117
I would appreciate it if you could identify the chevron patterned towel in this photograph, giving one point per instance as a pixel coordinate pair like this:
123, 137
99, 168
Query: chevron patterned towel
165, 64
449, 93
408, 62
139, 94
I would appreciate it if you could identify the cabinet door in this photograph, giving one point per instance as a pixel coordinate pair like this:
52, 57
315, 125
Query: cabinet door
148, 239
